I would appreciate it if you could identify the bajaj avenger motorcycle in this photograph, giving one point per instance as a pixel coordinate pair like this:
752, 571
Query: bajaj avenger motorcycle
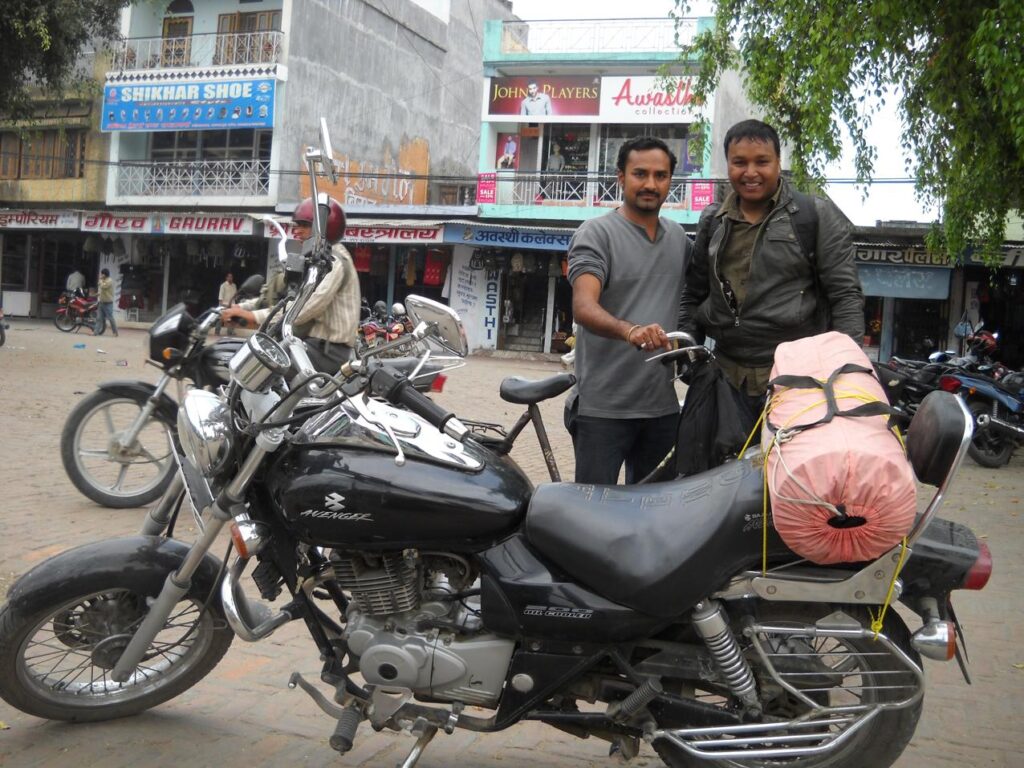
426, 563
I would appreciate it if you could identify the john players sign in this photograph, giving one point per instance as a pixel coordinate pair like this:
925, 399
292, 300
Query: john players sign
179, 106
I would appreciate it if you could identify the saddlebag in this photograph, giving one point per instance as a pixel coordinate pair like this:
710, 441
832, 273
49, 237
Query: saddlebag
840, 485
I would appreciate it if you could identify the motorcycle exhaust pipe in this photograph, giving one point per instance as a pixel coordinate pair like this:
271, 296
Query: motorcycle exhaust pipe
1005, 428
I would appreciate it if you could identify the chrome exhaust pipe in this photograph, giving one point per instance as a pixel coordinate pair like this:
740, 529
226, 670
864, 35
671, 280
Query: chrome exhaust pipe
985, 421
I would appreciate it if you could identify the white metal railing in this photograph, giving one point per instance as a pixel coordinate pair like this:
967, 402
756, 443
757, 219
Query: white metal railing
583, 191
173, 179
206, 50
596, 36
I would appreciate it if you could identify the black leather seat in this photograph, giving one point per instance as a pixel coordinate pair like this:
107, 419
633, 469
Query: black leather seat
657, 548
935, 436
527, 391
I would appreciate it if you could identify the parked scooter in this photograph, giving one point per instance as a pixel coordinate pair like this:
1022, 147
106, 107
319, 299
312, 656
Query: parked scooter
75, 309
998, 411
429, 566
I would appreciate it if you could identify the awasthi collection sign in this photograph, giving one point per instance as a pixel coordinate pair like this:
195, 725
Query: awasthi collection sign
188, 105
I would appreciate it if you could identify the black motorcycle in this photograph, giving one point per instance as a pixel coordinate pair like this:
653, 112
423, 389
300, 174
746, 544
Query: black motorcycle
116, 445
426, 562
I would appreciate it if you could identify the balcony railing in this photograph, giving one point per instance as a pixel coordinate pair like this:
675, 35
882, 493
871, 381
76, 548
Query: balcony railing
206, 50
577, 190
596, 36
250, 178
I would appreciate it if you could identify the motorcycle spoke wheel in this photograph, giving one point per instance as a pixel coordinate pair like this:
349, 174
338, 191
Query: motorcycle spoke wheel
832, 672
58, 663
64, 322
987, 448
104, 470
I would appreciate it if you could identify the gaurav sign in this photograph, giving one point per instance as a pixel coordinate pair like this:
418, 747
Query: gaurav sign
188, 105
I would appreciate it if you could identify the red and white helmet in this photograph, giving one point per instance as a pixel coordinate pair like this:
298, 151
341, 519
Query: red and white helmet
306, 210
983, 343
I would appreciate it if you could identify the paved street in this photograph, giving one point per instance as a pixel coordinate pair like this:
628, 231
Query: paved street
243, 715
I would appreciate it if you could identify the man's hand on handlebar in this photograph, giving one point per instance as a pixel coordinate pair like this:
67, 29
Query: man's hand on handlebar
238, 315
649, 337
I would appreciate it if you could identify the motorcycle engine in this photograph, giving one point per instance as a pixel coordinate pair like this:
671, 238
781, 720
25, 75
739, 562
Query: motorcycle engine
409, 629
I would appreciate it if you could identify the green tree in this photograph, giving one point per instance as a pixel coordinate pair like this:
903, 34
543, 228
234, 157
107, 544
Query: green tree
956, 66
40, 41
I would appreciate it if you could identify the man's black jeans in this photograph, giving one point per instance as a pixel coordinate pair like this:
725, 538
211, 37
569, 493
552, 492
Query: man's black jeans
602, 445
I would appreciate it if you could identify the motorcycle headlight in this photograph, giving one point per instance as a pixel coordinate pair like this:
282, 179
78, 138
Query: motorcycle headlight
204, 429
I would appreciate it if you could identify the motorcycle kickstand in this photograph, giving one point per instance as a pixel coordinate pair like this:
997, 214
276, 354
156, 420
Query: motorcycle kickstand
429, 732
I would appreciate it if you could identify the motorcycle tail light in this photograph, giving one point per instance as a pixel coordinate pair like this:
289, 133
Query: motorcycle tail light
949, 384
979, 573
437, 385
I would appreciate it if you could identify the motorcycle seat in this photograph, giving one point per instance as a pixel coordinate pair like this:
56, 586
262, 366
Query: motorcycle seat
516, 389
656, 548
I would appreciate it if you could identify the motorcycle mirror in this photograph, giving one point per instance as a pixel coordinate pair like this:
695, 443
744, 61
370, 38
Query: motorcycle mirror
251, 285
327, 153
444, 322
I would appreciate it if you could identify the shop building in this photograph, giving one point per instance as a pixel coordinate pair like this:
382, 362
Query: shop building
206, 110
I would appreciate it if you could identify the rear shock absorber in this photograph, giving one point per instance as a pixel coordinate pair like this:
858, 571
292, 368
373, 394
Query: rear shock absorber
711, 624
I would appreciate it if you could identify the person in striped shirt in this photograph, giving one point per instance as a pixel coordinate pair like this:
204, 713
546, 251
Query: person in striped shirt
330, 319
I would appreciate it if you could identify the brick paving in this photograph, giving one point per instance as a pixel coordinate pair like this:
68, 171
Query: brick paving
243, 715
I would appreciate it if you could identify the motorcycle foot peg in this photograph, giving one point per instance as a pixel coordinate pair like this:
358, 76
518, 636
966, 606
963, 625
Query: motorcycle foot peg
345, 731
636, 701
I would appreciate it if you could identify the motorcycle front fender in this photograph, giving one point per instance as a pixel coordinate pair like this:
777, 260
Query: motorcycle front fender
146, 560
166, 408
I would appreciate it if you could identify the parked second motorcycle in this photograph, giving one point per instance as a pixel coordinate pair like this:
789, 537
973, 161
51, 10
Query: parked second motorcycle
75, 309
998, 411
114, 445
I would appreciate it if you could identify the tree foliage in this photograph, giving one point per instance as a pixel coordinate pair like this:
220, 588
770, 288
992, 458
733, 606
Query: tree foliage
957, 67
40, 42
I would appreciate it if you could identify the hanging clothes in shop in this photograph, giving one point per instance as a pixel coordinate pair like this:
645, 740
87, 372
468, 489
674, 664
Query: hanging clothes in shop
433, 271
410, 268
361, 257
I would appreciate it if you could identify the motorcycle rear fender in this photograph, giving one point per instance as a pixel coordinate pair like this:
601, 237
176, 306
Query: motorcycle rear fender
166, 408
144, 560
990, 391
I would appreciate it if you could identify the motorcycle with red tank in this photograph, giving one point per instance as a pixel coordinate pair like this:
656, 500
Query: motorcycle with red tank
433, 578
75, 309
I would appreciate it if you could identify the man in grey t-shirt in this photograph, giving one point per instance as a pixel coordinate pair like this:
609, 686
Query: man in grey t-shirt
626, 270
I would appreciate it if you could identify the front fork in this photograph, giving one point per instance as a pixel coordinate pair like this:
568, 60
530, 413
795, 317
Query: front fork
227, 505
129, 436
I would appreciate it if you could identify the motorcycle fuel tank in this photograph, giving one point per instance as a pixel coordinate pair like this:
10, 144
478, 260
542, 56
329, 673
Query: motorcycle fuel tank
339, 486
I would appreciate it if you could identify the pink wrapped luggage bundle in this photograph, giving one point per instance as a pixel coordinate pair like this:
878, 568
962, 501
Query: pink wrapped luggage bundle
851, 464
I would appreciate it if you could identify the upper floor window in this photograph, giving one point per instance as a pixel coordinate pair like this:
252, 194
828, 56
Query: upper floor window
50, 154
242, 37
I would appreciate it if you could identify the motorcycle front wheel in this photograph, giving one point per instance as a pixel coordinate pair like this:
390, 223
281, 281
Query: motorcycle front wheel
56, 657
833, 672
987, 448
64, 321
100, 467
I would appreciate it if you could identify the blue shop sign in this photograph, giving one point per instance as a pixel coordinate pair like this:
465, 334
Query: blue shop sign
191, 105
512, 237
904, 282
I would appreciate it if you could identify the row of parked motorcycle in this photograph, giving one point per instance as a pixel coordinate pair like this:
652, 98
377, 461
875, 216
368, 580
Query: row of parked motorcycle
378, 325
993, 393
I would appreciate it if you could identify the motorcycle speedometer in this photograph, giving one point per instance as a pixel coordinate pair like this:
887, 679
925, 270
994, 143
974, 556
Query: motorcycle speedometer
257, 362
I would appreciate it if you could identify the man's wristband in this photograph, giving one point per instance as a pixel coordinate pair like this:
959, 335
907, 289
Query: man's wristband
629, 333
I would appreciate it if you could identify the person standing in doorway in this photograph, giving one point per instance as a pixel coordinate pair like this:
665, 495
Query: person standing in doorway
626, 270
225, 298
75, 282
105, 307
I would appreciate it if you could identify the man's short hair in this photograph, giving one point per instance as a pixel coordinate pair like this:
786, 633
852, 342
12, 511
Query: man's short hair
641, 144
105, 272
755, 130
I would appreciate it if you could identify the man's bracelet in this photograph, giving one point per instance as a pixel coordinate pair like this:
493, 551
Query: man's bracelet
629, 333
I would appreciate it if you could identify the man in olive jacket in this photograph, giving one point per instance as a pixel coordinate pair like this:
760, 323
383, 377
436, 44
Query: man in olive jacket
763, 271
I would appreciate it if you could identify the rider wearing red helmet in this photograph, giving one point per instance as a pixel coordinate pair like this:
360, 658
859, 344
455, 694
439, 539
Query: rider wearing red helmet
332, 312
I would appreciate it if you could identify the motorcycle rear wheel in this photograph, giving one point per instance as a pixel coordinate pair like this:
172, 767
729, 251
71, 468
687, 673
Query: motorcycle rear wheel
879, 743
55, 661
64, 322
97, 466
987, 448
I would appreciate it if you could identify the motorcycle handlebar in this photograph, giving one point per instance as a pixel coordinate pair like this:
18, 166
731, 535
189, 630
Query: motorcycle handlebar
397, 389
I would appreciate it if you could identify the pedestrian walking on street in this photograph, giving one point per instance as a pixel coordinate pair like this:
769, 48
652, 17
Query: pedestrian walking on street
105, 307
769, 265
626, 270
